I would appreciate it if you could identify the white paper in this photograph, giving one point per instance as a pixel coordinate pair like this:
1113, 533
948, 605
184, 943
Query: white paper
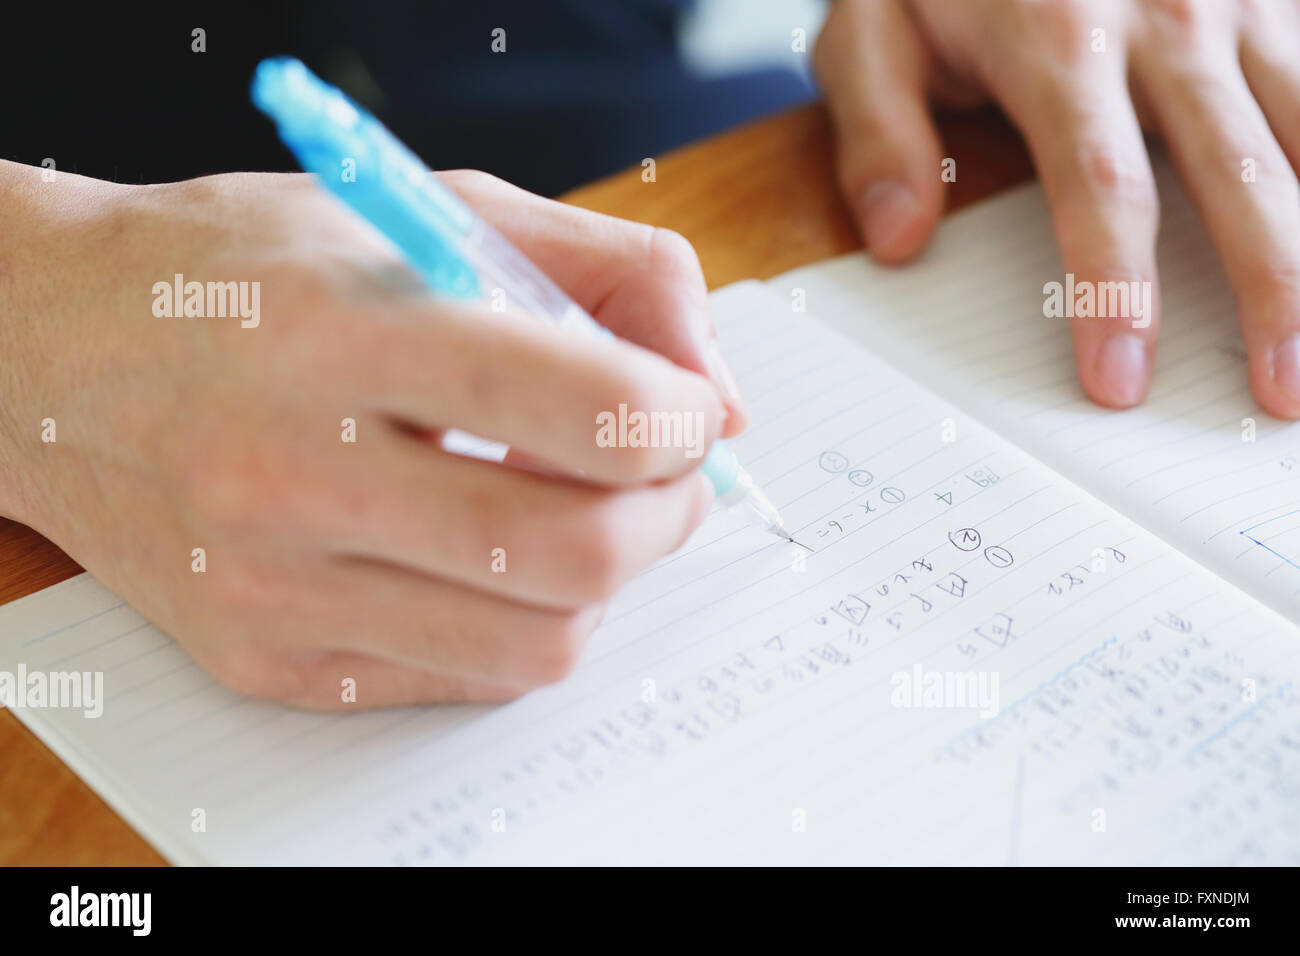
1198, 463
743, 702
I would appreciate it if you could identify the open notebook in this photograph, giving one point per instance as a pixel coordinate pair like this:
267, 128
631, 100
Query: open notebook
981, 657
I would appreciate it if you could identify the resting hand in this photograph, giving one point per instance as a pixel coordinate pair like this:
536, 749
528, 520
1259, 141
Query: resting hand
1218, 79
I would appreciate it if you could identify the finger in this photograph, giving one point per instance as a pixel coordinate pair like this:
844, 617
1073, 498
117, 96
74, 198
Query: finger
1268, 60
342, 681
316, 656
571, 400
642, 283
538, 540
872, 65
327, 679
438, 627
1083, 133
1247, 194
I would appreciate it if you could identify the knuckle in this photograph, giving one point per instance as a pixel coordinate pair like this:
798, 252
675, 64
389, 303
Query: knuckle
1058, 32
550, 665
253, 674
671, 252
473, 181
559, 646
1254, 12
601, 553
310, 682
204, 191
1075, 17
639, 464
1181, 15
1125, 178
473, 177
630, 386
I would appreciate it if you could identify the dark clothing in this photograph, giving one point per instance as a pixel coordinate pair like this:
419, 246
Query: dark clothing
584, 87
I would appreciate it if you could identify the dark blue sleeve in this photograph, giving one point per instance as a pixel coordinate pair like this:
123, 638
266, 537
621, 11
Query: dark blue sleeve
583, 87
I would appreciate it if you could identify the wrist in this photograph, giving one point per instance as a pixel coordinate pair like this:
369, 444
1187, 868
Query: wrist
50, 219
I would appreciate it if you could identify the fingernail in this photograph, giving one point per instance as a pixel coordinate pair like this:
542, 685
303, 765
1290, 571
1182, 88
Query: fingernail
720, 372
1286, 367
1122, 370
887, 208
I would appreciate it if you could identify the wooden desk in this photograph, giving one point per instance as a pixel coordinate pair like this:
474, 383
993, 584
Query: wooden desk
755, 202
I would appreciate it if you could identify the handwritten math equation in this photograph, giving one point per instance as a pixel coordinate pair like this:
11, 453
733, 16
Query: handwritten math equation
663, 716
1162, 699
657, 717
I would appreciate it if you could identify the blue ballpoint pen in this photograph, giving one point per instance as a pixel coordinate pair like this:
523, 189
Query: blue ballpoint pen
455, 252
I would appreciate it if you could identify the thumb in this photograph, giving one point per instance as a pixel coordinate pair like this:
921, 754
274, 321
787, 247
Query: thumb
872, 63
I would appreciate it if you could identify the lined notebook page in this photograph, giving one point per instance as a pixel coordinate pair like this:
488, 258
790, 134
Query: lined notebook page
969, 320
742, 702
